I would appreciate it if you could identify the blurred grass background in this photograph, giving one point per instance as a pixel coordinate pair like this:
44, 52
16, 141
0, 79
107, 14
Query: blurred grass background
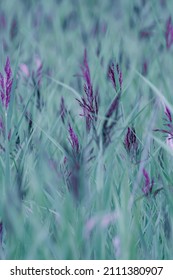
113, 219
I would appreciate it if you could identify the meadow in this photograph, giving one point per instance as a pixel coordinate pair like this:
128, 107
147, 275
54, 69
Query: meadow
86, 129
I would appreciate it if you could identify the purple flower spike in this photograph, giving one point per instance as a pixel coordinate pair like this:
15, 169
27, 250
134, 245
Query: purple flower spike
6, 84
147, 189
114, 107
168, 124
2, 128
2, 84
168, 114
87, 77
130, 141
73, 139
89, 103
120, 79
9, 81
111, 76
169, 33
131, 144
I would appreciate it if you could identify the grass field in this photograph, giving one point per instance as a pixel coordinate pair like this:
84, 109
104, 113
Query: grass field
86, 149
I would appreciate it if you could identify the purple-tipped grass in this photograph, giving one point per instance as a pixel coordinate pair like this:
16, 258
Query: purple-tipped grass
148, 184
131, 143
111, 117
88, 103
6, 84
169, 33
169, 127
73, 140
113, 77
2, 127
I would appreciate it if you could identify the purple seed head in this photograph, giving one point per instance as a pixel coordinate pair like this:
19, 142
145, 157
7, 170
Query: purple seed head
130, 141
2, 127
113, 107
86, 75
168, 124
148, 185
112, 78
111, 75
6, 84
120, 80
108, 125
73, 139
169, 33
168, 114
2, 90
88, 103
9, 81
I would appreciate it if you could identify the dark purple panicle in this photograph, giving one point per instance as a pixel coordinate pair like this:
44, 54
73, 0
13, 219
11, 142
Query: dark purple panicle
73, 139
148, 186
112, 78
2, 128
112, 113
111, 75
130, 141
89, 103
6, 84
120, 76
168, 124
168, 114
113, 107
127, 142
169, 33
86, 75
9, 81
2, 90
